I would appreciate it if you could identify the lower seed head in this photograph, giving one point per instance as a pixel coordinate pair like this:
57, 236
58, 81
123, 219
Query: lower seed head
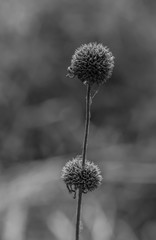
75, 176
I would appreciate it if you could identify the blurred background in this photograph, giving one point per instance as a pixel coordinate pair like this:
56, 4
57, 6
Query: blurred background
42, 119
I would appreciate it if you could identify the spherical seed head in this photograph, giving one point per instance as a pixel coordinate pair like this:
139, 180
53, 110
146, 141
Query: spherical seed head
75, 176
91, 63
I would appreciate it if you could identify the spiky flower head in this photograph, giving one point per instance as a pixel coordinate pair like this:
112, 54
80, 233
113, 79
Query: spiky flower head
75, 176
91, 63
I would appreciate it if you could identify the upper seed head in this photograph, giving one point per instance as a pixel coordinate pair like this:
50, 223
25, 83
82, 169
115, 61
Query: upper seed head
91, 63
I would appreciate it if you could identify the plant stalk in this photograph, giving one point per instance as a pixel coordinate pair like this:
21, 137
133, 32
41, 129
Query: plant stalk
84, 152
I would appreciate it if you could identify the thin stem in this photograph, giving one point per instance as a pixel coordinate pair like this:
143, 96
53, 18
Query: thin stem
78, 214
84, 151
87, 123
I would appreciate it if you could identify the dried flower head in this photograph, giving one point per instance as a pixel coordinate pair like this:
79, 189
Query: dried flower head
75, 176
91, 63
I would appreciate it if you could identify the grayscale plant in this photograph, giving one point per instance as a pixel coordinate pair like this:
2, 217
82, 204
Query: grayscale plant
93, 64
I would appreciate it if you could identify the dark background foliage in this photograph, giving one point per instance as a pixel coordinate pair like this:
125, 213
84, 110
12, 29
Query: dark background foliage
42, 117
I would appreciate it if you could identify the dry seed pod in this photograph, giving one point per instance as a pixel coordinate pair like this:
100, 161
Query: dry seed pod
75, 176
92, 63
